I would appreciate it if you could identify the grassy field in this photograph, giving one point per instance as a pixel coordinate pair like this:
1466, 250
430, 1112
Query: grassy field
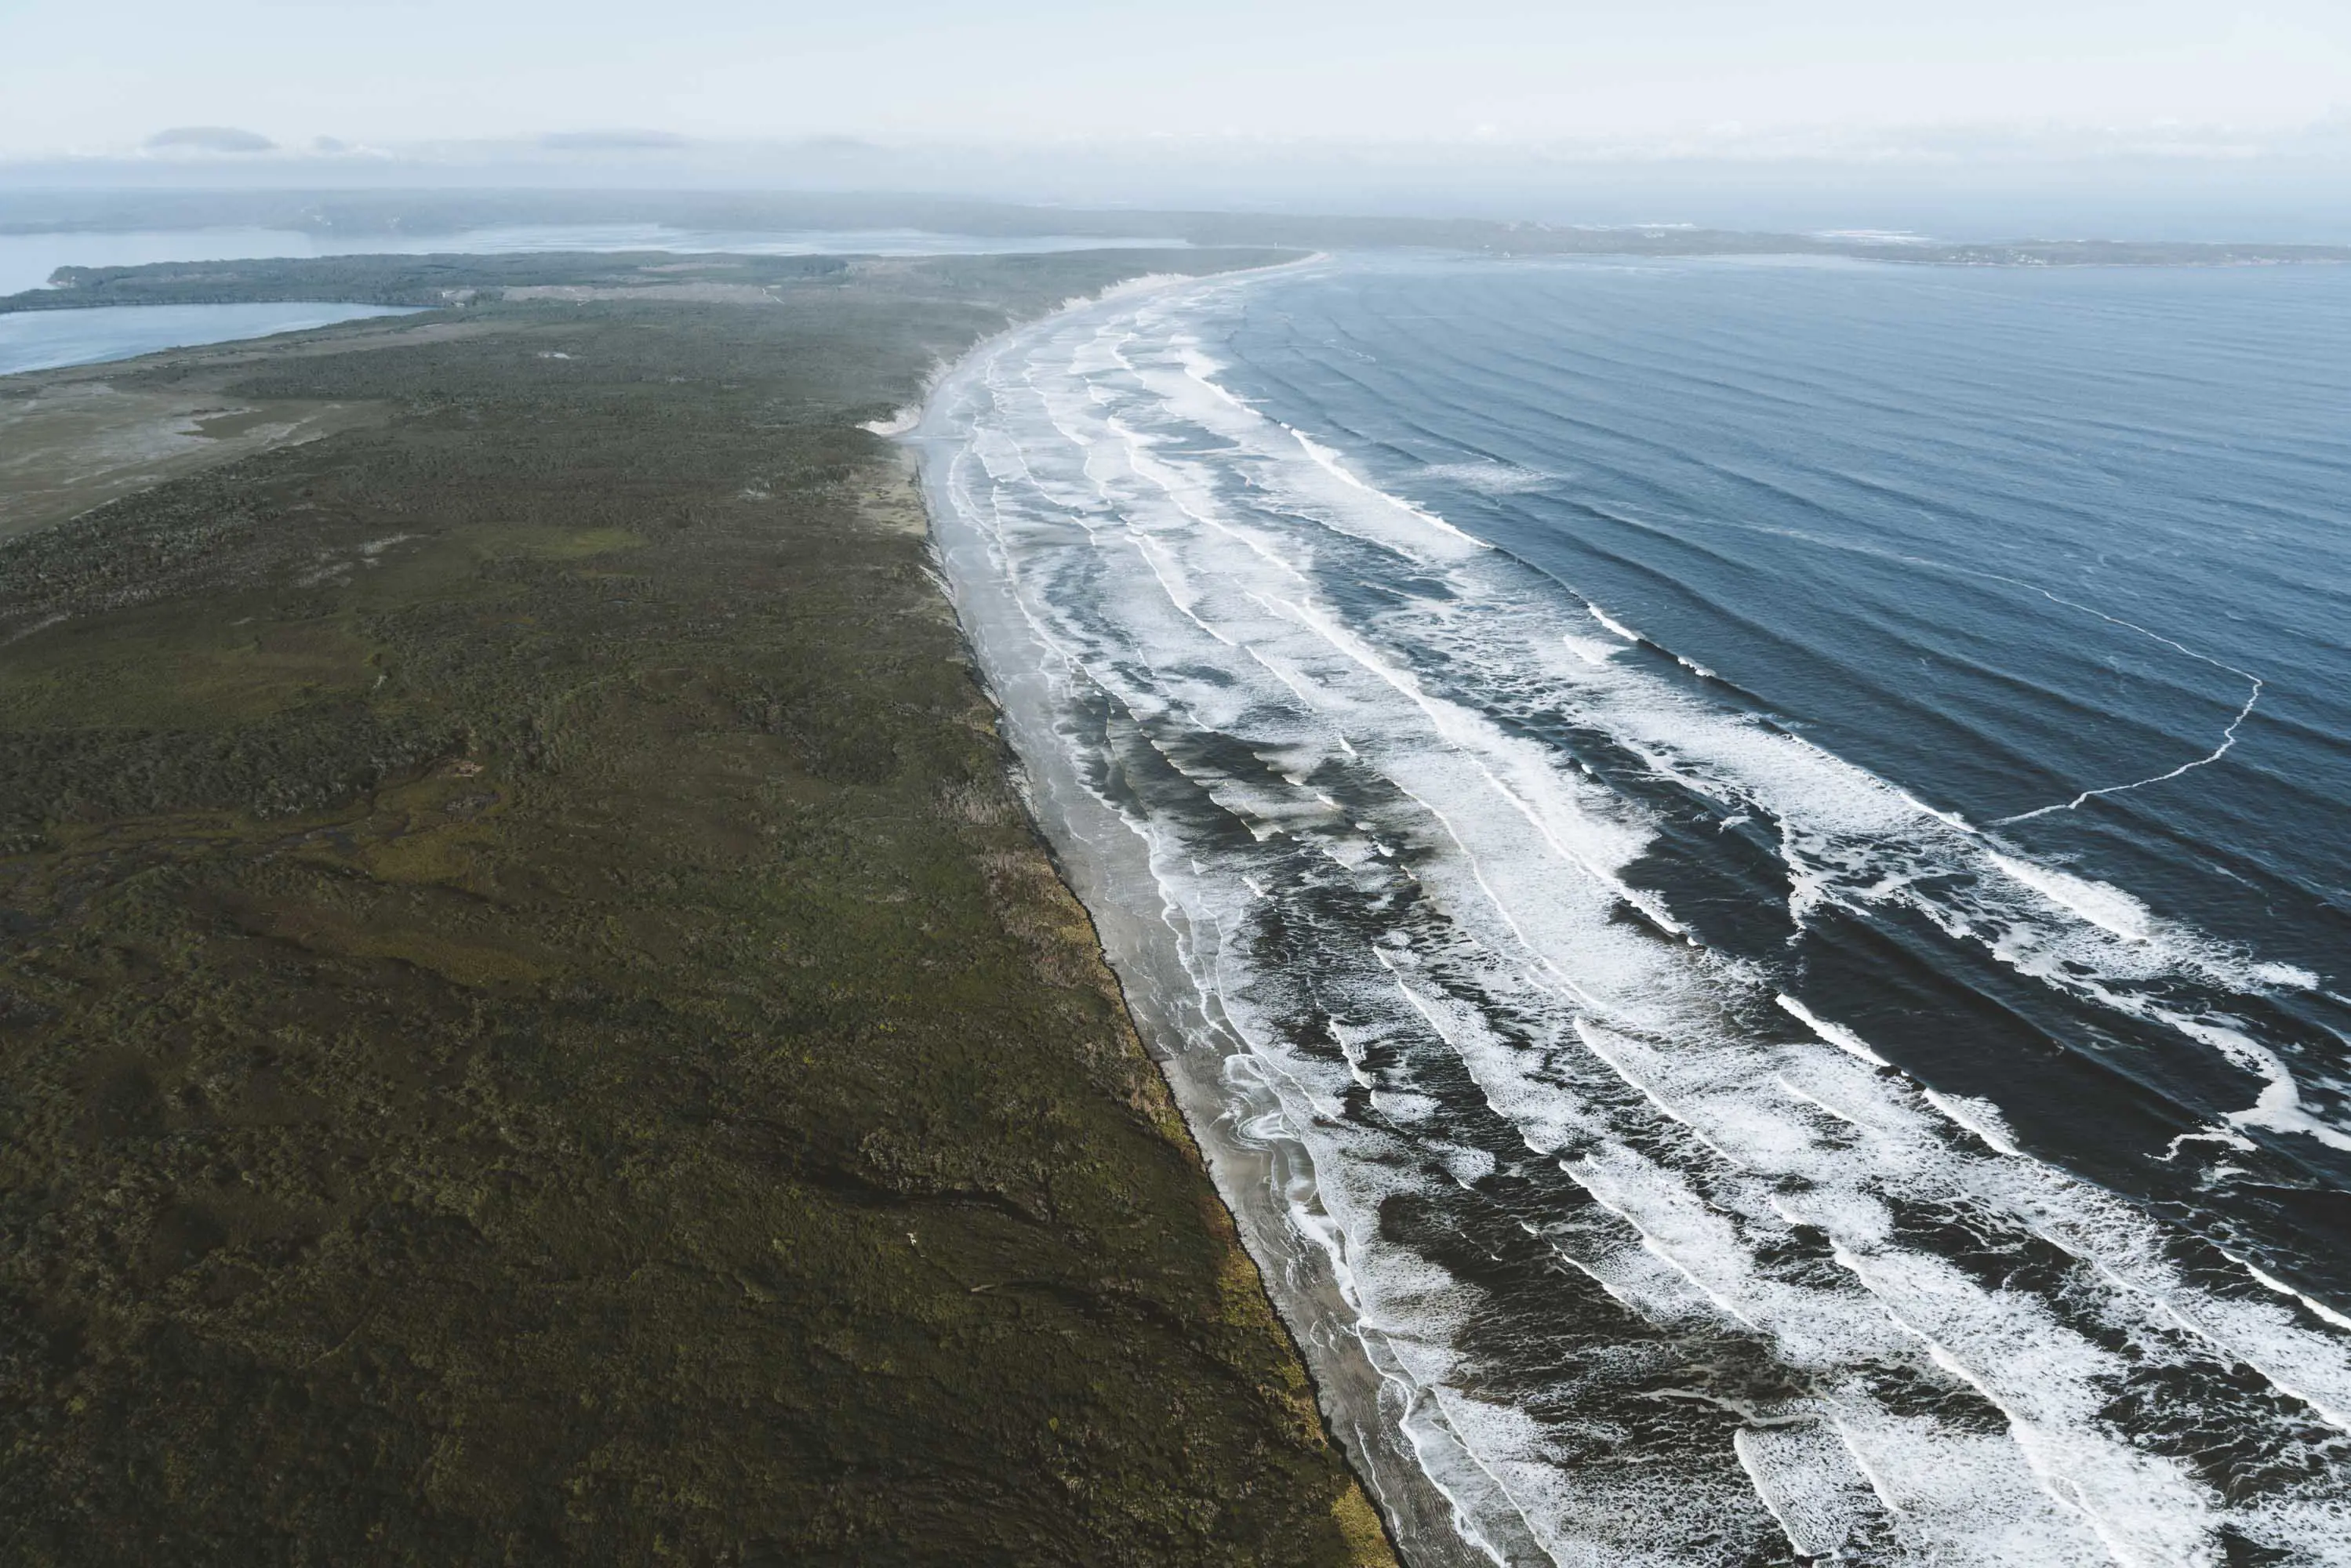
532, 1026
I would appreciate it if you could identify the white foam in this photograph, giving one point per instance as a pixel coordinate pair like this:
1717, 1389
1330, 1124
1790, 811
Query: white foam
2106, 907
2321, 1308
1612, 624
1836, 1034
1597, 654
1489, 477
1981, 1117
1165, 545
1964, 1498
1807, 1476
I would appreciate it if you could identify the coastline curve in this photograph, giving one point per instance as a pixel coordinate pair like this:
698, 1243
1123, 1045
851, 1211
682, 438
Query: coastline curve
1384, 1421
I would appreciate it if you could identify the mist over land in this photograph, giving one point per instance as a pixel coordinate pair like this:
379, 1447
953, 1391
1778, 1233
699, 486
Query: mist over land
2173, 119
1978, 184
142, 224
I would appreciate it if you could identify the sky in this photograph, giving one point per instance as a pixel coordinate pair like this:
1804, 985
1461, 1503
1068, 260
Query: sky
1825, 78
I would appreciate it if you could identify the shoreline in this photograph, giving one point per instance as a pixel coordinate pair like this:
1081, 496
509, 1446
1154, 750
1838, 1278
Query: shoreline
524, 948
1094, 851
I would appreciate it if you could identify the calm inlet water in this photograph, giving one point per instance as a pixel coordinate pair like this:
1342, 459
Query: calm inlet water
43, 340
1755, 857
36, 340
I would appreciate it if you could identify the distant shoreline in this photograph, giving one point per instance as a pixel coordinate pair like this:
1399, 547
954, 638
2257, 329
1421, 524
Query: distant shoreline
347, 217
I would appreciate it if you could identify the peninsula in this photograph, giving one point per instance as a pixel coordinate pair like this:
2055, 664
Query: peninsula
533, 1024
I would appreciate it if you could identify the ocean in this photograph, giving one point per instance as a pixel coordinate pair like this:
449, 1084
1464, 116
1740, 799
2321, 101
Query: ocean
1742, 866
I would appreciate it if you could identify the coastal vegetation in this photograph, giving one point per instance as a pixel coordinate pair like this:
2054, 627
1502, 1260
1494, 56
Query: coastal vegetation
418, 280
533, 1024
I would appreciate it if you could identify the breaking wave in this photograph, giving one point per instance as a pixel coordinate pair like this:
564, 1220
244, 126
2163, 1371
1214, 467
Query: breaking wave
1651, 1253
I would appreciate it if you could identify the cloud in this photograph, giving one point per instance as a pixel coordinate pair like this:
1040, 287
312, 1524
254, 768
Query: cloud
209, 139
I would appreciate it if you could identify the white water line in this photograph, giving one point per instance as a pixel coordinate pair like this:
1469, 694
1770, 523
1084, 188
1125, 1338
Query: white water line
1499, 906
2228, 737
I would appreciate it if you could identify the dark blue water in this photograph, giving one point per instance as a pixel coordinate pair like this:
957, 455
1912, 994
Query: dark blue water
1852, 491
1762, 848
1999, 537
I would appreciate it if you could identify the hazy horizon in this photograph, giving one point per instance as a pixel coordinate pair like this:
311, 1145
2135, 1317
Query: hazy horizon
2080, 117
392, 72
2121, 196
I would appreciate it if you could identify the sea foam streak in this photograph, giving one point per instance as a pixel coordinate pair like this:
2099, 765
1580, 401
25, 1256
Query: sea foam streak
1593, 1234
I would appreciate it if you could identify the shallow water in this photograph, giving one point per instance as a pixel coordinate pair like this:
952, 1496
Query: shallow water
45, 340
1760, 850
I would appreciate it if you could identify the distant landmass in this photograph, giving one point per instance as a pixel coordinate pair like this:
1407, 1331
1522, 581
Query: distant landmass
417, 212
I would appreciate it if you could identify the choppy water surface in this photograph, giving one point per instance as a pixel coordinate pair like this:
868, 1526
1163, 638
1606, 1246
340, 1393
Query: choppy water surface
1763, 851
